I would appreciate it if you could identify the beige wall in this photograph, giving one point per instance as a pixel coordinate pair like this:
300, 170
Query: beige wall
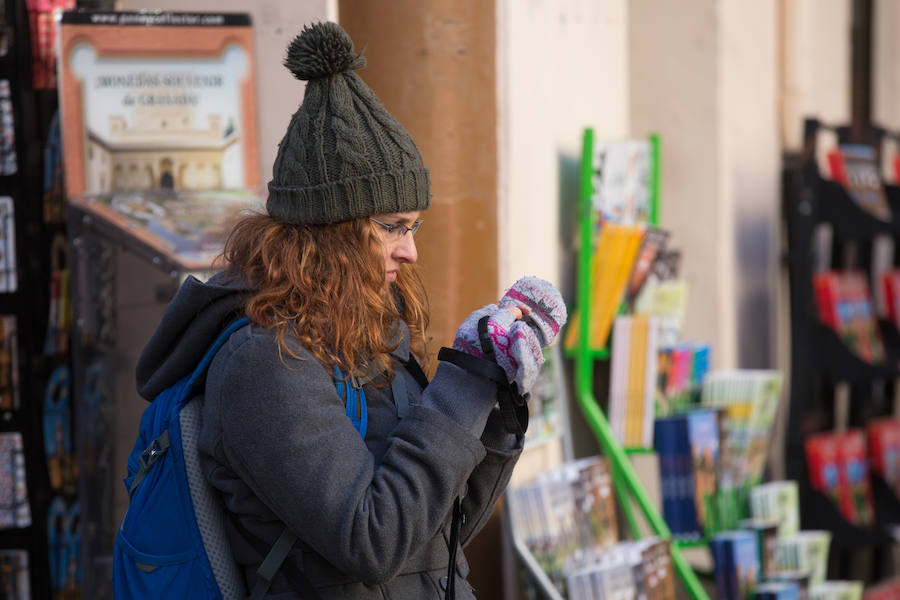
886, 64
561, 67
815, 64
749, 171
704, 76
682, 105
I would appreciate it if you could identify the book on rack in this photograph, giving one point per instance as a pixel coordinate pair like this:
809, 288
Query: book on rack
822, 464
776, 591
658, 572
15, 579
838, 467
798, 579
633, 373
10, 393
736, 564
853, 469
630, 569
621, 181
855, 166
15, 509
703, 445
748, 400
778, 501
883, 437
545, 405
680, 372
611, 263
9, 281
611, 577
827, 291
766, 531
837, 590
666, 300
566, 516
886, 590
688, 449
666, 433
890, 286
882, 262
805, 551
844, 304
615, 255
652, 246
857, 326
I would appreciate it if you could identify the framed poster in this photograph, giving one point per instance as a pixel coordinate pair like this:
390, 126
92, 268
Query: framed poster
157, 100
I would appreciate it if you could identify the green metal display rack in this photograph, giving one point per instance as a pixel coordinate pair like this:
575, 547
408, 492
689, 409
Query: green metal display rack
625, 479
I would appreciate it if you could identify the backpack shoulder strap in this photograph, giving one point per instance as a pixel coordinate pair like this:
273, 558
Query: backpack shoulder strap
351, 392
200, 371
158, 446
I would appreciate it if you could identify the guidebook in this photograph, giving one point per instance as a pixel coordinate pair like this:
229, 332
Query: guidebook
855, 166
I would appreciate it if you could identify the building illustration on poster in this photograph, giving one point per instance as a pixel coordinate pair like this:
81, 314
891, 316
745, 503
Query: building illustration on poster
149, 125
146, 114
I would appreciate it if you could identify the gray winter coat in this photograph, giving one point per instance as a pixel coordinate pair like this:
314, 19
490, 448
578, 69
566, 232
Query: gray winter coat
372, 516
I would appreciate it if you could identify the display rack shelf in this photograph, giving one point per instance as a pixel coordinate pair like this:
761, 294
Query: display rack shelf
627, 484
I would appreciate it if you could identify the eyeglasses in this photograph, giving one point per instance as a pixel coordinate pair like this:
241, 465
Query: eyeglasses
395, 231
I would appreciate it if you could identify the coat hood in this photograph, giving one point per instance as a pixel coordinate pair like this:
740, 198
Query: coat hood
197, 314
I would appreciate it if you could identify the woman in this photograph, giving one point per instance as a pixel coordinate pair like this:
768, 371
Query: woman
327, 280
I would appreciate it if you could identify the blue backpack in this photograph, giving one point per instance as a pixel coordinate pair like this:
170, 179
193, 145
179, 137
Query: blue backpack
172, 541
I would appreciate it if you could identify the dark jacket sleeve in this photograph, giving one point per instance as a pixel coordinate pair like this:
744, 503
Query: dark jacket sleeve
491, 476
285, 433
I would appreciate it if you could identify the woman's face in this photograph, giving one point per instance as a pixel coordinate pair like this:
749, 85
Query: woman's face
397, 241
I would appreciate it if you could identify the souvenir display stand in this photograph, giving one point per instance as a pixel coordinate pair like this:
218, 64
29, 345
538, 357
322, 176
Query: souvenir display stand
833, 388
130, 251
39, 543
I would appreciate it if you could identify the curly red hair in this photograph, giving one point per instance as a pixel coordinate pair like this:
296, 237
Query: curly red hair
325, 284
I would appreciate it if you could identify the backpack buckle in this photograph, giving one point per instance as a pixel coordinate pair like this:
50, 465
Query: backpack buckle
150, 455
156, 449
355, 382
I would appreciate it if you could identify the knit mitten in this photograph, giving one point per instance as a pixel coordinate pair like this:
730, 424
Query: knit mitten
546, 308
467, 335
517, 343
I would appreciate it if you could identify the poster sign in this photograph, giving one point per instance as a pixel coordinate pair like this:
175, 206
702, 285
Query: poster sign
157, 100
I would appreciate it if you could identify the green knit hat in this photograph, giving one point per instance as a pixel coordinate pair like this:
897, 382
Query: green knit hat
343, 156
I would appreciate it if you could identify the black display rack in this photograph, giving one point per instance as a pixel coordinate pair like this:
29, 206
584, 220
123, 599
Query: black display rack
33, 111
40, 248
820, 360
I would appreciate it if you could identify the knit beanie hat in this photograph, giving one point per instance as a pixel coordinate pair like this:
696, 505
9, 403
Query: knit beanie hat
343, 156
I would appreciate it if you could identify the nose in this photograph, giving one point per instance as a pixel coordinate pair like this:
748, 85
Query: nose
405, 250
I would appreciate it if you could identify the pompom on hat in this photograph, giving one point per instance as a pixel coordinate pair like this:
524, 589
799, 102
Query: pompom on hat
343, 156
